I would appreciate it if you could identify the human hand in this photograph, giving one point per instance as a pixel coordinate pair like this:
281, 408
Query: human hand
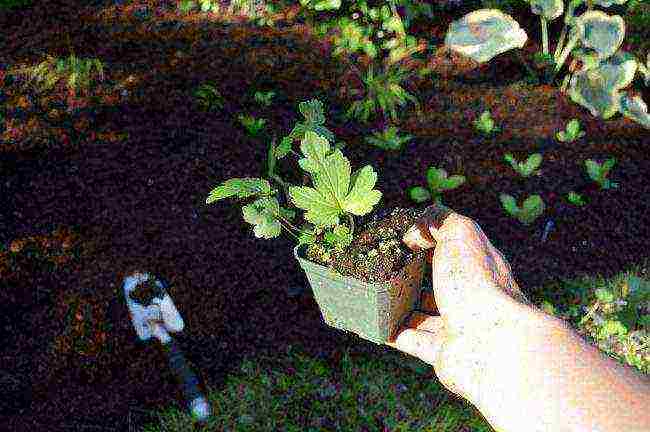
484, 318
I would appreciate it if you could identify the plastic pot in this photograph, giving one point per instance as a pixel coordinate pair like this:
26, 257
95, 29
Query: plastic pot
373, 311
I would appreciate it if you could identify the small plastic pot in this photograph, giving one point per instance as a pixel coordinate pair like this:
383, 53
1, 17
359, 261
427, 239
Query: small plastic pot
373, 311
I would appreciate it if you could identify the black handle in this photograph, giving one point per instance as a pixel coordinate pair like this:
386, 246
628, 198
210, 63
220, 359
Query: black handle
181, 370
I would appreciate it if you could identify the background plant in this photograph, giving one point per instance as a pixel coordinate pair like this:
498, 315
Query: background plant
571, 133
208, 96
388, 139
252, 125
594, 40
524, 168
531, 209
264, 98
437, 183
598, 172
363, 33
485, 123
575, 198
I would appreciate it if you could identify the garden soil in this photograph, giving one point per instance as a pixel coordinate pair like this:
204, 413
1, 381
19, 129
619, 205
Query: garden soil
119, 184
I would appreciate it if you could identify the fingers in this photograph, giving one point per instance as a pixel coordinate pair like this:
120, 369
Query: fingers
421, 336
422, 234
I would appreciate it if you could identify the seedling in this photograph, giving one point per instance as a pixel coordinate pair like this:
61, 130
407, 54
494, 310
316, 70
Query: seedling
571, 133
525, 168
264, 98
438, 182
208, 97
252, 124
598, 172
388, 139
531, 209
575, 198
485, 123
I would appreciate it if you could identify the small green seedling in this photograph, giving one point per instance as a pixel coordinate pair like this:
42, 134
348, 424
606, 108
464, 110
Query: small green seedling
388, 139
598, 172
531, 209
571, 133
575, 198
208, 97
438, 182
264, 98
525, 168
251, 124
485, 123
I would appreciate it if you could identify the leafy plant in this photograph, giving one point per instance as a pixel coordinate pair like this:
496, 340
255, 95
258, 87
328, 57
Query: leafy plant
525, 168
485, 123
575, 198
336, 193
314, 115
209, 97
571, 133
437, 182
531, 209
364, 33
598, 172
388, 139
382, 91
49, 72
594, 41
251, 124
264, 98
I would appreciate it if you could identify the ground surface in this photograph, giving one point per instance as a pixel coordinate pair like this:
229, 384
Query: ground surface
138, 202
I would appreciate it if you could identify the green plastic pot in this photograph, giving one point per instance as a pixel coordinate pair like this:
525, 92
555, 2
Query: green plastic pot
373, 311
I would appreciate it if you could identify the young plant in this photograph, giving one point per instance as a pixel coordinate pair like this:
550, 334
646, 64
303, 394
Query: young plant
485, 123
388, 139
525, 168
531, 209
50, 71
209, 97
252, 124
264, 98
437, 182
598, 172
594, 41
575, 199
336, 193
383, 91
572, 132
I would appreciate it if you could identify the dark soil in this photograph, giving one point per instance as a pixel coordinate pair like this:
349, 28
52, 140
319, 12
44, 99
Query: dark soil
376, 253
120, 184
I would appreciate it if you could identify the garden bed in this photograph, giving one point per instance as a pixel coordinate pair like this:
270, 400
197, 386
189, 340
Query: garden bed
122, 184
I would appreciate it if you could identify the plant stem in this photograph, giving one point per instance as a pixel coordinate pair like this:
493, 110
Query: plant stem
544, 34
351, 221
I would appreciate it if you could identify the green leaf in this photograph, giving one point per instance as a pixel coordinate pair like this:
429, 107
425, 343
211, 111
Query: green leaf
339, 237
604, 295
329, 198
284, 148
419, 194
242, 187
362, 197
261, 214
612, 327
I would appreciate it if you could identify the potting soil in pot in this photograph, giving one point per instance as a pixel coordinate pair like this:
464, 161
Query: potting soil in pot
376, 252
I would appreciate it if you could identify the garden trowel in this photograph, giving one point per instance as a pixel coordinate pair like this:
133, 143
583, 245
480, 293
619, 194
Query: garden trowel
153, 313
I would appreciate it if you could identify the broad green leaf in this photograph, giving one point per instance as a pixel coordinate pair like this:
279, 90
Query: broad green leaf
604, 295
284, 148
320, 211
362, 197
242, 187
340, 236
261, 214
419, 194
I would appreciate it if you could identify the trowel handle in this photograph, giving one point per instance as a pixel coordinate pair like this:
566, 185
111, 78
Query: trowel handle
183, 373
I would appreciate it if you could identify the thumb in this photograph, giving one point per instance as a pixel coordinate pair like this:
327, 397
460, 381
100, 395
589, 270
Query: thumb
424, 232
421, 336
